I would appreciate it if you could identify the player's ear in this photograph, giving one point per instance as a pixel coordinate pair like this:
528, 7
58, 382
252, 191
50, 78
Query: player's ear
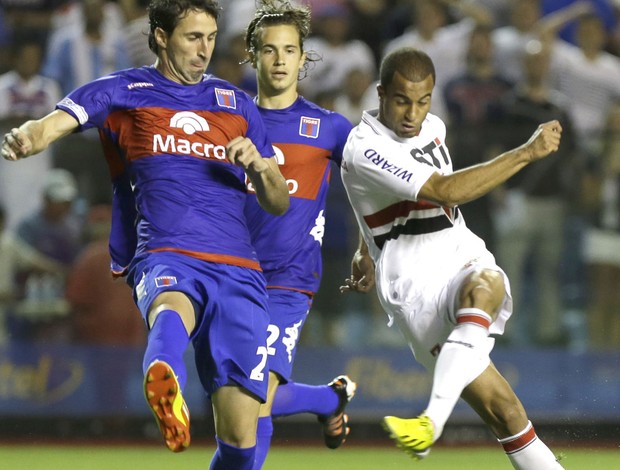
161, 38
380, 91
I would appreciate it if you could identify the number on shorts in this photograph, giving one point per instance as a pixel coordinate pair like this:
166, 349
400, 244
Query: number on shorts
264, 351
274, 334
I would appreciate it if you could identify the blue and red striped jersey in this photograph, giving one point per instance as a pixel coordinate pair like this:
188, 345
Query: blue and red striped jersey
306, 139
174, 189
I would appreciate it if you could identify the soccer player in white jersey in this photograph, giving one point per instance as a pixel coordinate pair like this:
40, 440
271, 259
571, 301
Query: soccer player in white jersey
435, 278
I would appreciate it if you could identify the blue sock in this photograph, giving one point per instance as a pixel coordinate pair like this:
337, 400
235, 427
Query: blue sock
293, 398
228, 457
264, 432
167, 341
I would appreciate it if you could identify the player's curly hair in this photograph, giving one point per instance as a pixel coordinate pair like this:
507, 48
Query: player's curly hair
166, 14
280, 12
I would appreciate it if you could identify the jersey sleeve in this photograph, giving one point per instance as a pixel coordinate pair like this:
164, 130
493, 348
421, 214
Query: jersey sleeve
342, 128
123, 239
90, 104
257, 131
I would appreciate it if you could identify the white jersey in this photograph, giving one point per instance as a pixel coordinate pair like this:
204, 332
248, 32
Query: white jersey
420, 248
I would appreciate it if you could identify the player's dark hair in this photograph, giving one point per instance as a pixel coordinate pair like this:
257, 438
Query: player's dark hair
275, 13
411, 63
166, 14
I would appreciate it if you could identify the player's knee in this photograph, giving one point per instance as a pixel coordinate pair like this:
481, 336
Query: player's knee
177, 302
483, 289
508, 416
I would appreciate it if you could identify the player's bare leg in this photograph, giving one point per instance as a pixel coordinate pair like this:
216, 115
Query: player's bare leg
235, 412
463, 357
493, 399
264, 430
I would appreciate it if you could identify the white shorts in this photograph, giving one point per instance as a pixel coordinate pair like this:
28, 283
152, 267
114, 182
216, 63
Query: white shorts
427, 316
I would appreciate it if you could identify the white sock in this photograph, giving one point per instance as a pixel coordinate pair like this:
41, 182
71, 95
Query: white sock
527, 452
463, 357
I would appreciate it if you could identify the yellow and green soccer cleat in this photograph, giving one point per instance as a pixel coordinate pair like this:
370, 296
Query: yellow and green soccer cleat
163, 394
414, 436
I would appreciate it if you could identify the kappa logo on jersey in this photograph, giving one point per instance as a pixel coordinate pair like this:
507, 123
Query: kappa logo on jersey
309, 127
131, 86
318, 231
189, 122
165, 281
291, 338
432, 154
226, 98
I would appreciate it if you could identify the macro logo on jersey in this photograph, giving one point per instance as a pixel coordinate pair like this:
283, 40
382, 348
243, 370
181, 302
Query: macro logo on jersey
279, 155
190, 123
309, 127
303, 167
226, 98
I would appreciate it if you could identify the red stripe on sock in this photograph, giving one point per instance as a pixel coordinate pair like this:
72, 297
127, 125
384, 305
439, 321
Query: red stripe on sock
477, 319
520, 442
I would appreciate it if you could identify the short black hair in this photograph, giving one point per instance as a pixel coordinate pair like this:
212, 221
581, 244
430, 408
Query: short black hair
166, 14
413, 64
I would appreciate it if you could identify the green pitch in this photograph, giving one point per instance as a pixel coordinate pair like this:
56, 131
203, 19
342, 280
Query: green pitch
65, 457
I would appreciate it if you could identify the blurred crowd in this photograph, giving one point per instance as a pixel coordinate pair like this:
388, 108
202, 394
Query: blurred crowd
503, 67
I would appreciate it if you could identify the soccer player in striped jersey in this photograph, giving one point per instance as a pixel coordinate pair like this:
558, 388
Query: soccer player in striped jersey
180, 145
435, 278
307, 139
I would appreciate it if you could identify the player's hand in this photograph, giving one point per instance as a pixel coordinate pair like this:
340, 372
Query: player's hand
15, 145
242, 152
545, 140
362, 278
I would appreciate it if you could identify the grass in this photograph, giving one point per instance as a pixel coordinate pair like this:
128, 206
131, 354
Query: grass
87, 457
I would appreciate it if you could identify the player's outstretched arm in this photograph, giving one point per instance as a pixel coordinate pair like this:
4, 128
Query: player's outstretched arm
362, 277
268, 182
33, 137
475, 181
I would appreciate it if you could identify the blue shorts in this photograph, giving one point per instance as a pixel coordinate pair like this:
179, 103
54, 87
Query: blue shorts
230, 337
288, 311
